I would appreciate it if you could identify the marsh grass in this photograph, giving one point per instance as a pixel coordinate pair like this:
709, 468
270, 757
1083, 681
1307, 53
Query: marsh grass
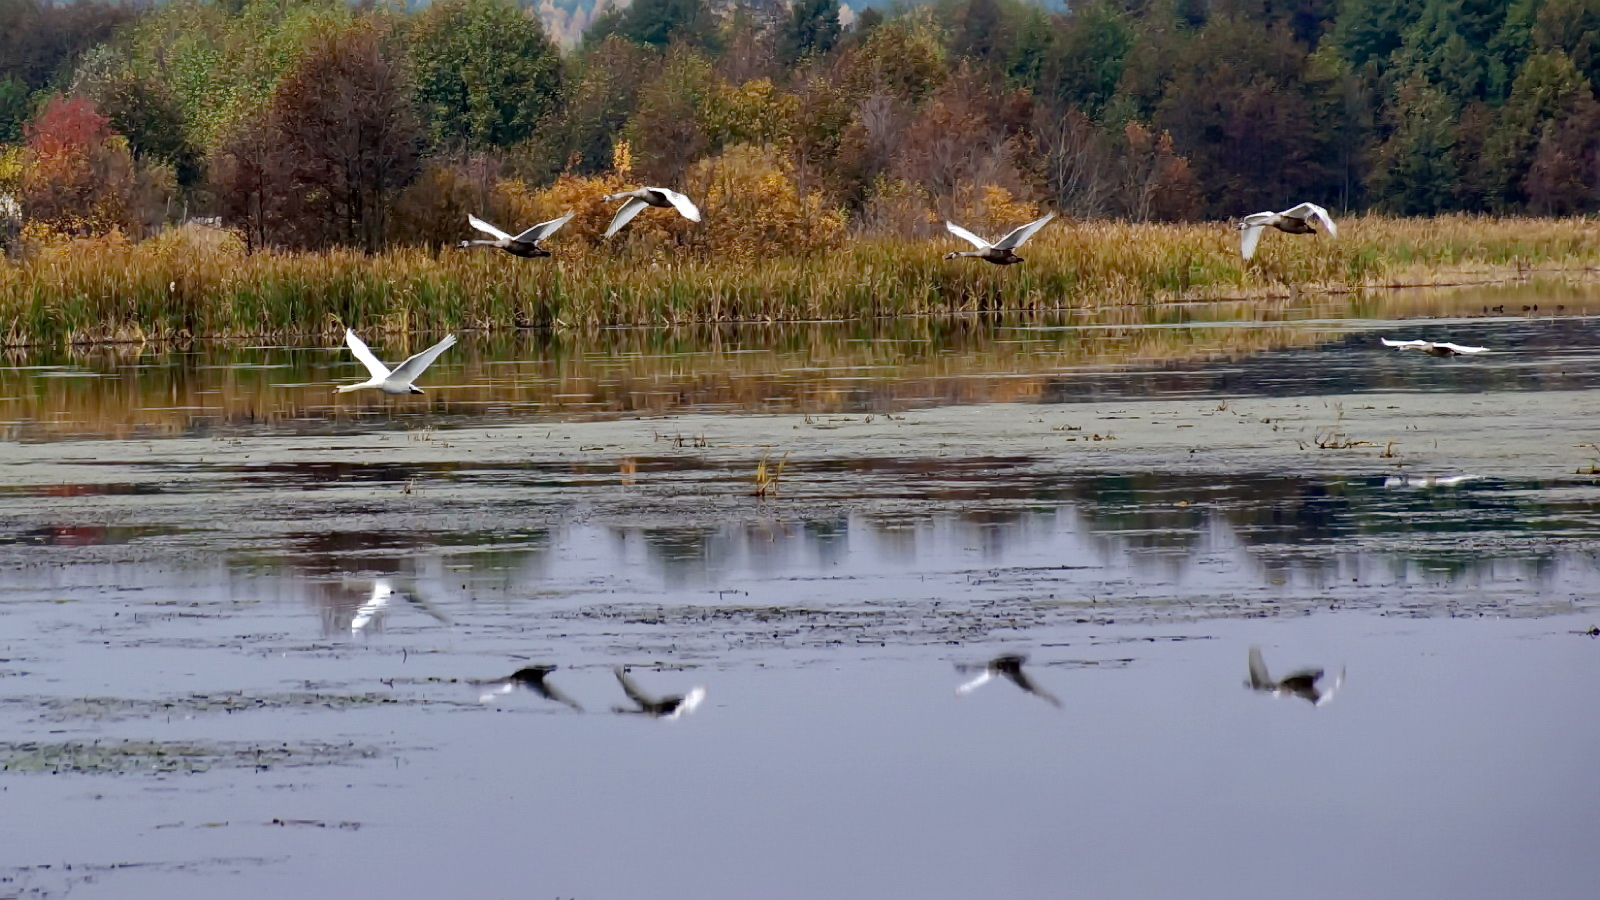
196, 282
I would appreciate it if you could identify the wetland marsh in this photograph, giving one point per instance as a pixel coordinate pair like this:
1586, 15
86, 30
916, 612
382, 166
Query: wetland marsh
206, 687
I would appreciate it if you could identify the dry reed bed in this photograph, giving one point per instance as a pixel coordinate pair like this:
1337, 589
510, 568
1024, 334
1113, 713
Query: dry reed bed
177, 285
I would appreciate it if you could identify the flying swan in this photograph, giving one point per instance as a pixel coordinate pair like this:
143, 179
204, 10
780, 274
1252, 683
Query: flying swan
399, 380
1000, 252
1434, 348
664, 198
525, 245
1292, 221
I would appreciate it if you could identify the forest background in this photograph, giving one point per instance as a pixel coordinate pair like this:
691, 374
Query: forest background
315, 125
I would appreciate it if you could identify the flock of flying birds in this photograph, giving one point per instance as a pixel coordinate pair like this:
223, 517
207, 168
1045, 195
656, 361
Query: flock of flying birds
1302, 219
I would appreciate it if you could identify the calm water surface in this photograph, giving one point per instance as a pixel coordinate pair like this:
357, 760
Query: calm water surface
235, 662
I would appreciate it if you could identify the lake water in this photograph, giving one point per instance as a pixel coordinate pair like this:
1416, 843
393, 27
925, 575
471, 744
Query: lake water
258, 639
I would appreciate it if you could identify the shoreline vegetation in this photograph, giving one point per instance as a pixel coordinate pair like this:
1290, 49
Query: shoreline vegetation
198, 282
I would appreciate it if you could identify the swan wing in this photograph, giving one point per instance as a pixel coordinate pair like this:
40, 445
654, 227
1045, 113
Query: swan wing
359, 348
632, 689
683, 204
1020, 235
690, 701
1259, 679
544, 229
1460, 349
1315, 213
974, 684
486, 228
968, 236
1249, 237
1404, 345
408, 371
624, 215
1260, 218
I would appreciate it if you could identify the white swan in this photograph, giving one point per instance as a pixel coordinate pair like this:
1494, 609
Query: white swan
1434, 348
664, 198
1000, 252
1293, 221
399, 380
525, 245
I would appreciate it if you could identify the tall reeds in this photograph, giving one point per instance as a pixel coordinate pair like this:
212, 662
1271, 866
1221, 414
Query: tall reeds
200, 283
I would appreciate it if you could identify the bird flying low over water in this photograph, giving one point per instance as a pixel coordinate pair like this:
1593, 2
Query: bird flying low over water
1302, 684
664, 198
1434, 348
1000, 252
669, 707
1293, 221
400, 380
528, 678
525, 245
1008, 667
1427, 481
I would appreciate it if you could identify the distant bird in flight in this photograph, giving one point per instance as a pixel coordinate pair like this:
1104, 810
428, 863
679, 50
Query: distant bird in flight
1302, 684
1009, 667
528, 678
1434, 348
664, 198
400, 380
1426, 481
669, 707
1293, 221
1000, 252
525, 245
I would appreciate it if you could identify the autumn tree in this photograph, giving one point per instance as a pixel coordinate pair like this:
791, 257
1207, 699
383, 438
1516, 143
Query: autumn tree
337, 142
484, 73
79, 177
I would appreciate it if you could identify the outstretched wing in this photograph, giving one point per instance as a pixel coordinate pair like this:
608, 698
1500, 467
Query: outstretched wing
684, 204
974, 684
1021, 234
408, 371
359, 348
968, 236
632, 689
1460, 349
1249, 237
1259, 679
488, 229
544, 229
625, 215
1404, 345
1315, 213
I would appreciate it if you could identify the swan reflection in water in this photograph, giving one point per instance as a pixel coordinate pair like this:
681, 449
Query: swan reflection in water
372, 611
669, 707
1008, 667
1303, 684
528, 678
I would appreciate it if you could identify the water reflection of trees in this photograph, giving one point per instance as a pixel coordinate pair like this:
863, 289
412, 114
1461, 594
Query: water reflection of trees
871, 366
1159, 525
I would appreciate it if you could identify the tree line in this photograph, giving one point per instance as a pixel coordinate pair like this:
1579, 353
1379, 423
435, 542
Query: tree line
317, 123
